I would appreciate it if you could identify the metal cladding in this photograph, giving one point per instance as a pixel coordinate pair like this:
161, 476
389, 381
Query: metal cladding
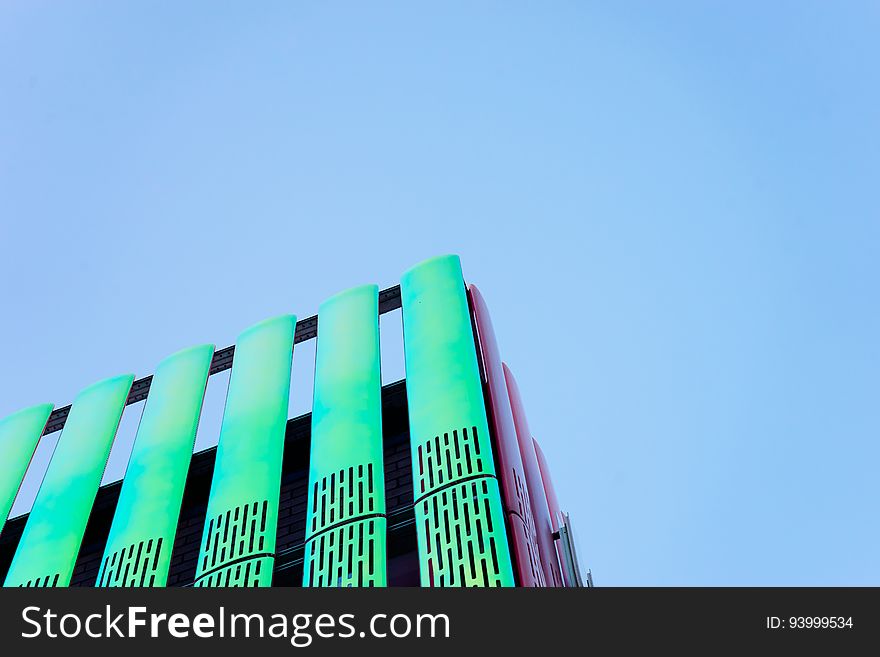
540, 509
19, 435
345, 525
552, 503
238, 543
514, 491
462, 540
483, 505
57, 522
138, 550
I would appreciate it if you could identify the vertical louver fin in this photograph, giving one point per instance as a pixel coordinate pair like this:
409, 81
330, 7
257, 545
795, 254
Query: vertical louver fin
459, 516
514, 491
553, 506
19, 435
54, 530
238, 543
540, 508
345, 531
138, 550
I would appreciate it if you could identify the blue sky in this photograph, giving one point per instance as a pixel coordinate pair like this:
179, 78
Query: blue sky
671, 209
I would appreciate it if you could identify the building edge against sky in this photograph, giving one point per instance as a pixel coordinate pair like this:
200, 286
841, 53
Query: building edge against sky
469, 503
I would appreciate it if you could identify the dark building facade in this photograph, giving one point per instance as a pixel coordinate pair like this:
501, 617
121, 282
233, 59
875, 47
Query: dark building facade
435, 480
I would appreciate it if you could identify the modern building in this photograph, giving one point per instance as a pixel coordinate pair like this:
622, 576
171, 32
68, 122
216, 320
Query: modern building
435, 480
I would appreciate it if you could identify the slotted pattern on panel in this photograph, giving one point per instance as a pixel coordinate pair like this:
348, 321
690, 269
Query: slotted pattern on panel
233, 538
135, 565
463, 543
19, 435
534, 485
152, 490
347, 555
342, 497
514, 491
55, 527
459, 517
40, 582
251, 572
238, 542
345, 528
523, 514
448, 458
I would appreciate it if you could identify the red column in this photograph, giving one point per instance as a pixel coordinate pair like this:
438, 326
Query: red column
514, 490
552, 501
537, 494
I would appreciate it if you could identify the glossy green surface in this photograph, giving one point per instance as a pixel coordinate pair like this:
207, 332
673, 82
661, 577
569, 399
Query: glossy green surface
346, 478
453, 468
243, 505
19, 435
138, 550
54, 530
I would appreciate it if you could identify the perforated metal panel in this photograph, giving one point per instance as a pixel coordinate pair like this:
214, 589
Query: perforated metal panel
57, 522
39, 582
238, 542
342, 497
346, 525
446, 459
514, 492
525, 522
459, 517
135, 565
152, 490
348, 555
235, 541
19, 435
462, 541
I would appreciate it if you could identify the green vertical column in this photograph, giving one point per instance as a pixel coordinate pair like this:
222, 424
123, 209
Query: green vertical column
345, 530
138, 550
19, 435
459, 518
238, 543
54, 530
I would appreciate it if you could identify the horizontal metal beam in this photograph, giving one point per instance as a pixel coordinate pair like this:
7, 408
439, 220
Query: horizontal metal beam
306, 329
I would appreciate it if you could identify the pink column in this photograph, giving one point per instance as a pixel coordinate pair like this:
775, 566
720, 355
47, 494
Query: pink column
514, 491
540, 506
